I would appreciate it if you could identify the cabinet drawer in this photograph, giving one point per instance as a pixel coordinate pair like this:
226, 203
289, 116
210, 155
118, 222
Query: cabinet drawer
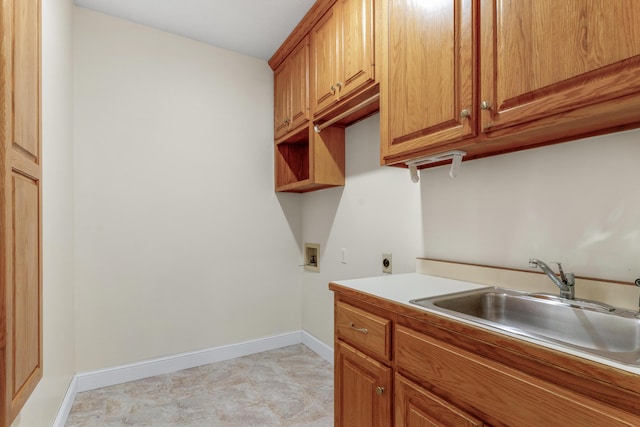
368, 332
494, 390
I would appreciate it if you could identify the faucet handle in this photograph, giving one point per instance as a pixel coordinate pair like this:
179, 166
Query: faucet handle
571, 279
563, 276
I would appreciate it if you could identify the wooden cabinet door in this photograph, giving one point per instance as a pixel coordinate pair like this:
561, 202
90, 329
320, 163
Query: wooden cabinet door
299, 85
324, 60
428, 75
20, 206
282, 99
363, 392
356, 66
416, 407
291, 91
494, 389
544, 57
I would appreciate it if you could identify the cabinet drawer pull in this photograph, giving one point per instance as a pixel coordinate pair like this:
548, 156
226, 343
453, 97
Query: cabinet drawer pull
379, 390
363, 330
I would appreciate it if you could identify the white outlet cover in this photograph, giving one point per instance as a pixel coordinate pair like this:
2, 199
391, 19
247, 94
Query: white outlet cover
388, 269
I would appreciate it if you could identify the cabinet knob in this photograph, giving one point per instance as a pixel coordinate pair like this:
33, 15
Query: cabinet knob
338, 85
287, 121
333, 89
465, 114
379, 390
485, 105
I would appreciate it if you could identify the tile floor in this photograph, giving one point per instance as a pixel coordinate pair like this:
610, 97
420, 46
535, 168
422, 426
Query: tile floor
291, 386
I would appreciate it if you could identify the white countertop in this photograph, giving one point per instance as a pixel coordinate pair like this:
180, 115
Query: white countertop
404, 287
401, 288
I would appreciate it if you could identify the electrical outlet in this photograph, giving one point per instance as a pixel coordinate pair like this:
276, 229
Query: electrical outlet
386, 263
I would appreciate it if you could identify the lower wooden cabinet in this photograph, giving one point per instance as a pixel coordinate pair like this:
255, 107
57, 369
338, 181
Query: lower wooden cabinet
501, 394
363, 393
416, 407
439, 372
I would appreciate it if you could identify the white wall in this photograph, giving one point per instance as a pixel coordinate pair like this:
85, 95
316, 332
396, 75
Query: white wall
58, 291
181, 243
169, 221
577, 202
378, 210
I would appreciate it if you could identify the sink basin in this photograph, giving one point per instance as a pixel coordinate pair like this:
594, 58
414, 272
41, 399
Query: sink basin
589, 326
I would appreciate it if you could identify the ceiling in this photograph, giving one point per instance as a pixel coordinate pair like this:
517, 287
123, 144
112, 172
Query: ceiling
251, 27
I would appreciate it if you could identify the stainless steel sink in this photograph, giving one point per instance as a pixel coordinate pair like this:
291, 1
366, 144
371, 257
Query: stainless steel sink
589, 326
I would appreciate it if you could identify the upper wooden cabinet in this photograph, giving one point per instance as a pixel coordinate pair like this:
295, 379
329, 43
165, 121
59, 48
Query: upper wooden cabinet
535, 73
324, 53
342, 53
20, 206
291, 91
546, 58
428, 88
328, 59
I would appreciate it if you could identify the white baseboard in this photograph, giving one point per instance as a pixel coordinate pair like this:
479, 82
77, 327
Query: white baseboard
164, 365
67, 403
318, 347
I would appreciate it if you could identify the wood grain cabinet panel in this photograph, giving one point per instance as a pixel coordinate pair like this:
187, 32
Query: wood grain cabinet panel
342, 53
428, 87
495, 390
490, 77
356, 68
26, 86
363, 393
299, 77
20, 206
364, 330
416, 407
25, 289
544, 58
291, 91
281, 100
324, 61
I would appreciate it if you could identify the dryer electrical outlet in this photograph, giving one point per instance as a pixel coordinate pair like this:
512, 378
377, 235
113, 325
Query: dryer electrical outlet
387, 263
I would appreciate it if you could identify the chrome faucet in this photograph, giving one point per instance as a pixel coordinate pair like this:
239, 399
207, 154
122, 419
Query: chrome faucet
566, 282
